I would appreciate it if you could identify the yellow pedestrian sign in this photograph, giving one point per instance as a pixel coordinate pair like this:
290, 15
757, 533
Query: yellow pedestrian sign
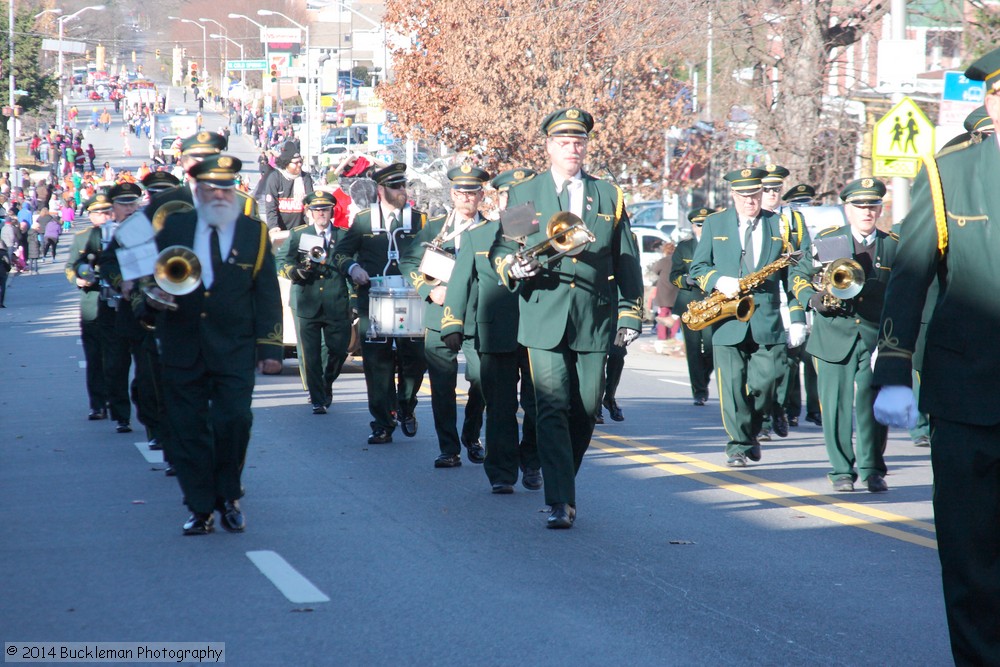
900, 141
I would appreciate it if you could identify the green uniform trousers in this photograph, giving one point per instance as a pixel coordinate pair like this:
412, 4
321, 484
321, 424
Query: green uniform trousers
147, 389
747, 374
380, 361
322, 348
845, 391
117, 351
698, 350
614, 368
966, 460
568, 389
442, 371
211, 418
923, 427
92, 335
504, 455
790, 387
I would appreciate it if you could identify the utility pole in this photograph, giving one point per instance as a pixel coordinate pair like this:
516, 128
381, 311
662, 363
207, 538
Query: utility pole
900, 186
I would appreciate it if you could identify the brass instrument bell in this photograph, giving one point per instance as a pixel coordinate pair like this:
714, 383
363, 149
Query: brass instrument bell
177, 271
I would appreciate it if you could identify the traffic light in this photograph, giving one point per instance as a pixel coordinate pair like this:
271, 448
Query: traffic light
194, 75
184, 52
274, 72
157, 54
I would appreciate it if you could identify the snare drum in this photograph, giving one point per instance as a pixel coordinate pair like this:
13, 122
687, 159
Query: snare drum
395, 310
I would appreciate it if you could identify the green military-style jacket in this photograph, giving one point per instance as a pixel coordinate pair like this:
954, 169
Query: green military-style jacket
948, 235
719, 253
581, 299
680, 269
238, 320
370, 249
410, 267
492, 317
833, 336
86, 242
324, 292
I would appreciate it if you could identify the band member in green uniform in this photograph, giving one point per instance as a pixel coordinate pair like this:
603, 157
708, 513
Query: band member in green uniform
370, 248
443, 233
83, 257
697, 344
949, 237
491, 324
796, 197
228, 326
319, 299
749, 355
845, 330
569, 306
199, 146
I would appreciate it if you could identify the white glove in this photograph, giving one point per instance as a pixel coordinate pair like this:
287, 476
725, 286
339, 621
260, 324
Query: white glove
523, 268
796, 334
895, 406
728, 285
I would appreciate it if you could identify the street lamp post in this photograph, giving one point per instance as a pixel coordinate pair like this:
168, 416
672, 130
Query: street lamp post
310, 112
61, 20
225, 46
267, 55
243, 73
204, 43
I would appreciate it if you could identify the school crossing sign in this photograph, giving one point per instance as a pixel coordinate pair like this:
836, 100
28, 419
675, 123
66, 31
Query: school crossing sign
900, 141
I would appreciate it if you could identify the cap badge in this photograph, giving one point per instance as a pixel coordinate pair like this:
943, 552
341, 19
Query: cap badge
572, 114
203, 136
225, 162
466, 168
801, 188
771, 167
867, 183
518, 174
746, 173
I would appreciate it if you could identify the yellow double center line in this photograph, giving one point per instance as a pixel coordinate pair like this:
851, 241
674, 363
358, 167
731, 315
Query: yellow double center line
817, 504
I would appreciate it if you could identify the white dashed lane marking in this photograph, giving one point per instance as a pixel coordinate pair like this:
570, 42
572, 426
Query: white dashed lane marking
286, 578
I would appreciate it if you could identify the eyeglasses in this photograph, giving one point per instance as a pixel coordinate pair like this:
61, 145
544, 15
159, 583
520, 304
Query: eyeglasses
466, 194
772, 189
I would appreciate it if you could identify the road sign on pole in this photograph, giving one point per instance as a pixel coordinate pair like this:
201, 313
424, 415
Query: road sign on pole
900, 141
242, 65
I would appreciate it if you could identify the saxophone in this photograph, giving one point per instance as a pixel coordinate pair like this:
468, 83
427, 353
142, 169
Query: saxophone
717, 306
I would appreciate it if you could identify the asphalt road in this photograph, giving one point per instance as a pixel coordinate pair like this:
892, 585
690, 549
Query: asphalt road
674, 560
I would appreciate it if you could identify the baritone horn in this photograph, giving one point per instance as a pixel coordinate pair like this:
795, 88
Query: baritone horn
841, 279
177, 272
567, 234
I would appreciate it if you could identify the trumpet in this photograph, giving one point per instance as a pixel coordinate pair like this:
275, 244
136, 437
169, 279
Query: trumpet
567, 234
316, 255
177, 272
842, 279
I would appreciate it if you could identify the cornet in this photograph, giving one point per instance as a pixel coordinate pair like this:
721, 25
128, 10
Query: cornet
567, 234
316, 255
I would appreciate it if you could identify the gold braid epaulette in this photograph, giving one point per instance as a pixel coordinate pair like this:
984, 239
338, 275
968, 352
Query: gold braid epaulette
620, 205
937, 199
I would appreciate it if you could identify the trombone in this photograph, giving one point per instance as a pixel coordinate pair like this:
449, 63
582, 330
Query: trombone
177, 272
567, 234
842, 279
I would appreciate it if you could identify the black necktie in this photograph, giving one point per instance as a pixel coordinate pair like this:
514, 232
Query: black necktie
748, 264
216, 254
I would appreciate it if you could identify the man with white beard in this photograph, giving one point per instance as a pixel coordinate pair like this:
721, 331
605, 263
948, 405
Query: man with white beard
210, 344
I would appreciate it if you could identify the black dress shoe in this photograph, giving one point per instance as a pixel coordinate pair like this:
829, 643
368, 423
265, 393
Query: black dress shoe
379, 436
408, 423
123, 427
614, 411
231, 516
561, 516
793, 422
600, 416
476, 452
155, 445
699, 401
448, 461
97, 414
876, 484
815, 418
754, 452
199, 523
171, 471
531, 478
319, 409
780, 425
503, 489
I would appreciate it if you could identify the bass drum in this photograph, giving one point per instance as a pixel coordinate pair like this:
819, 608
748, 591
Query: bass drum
395, 310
